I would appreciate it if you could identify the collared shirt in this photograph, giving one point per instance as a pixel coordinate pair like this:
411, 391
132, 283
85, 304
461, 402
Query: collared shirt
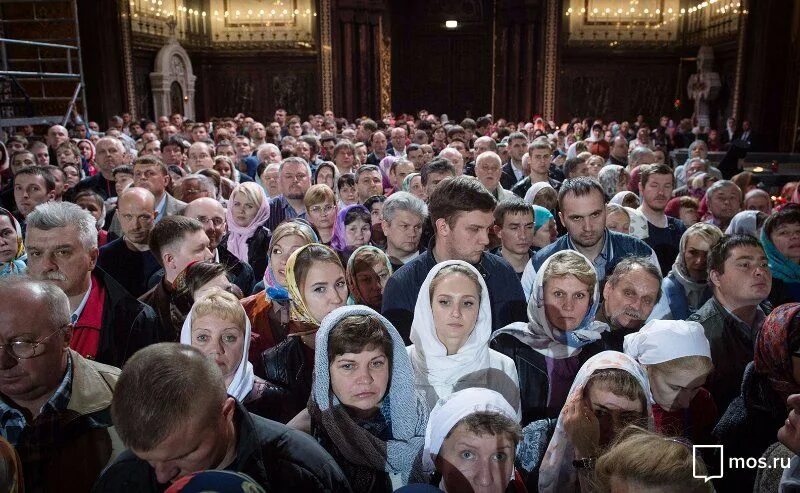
77, 313
13, 421
599, 262
161, 207
757, 321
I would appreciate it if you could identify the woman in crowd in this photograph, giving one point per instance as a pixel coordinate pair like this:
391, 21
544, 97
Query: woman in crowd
320, 203
197, 279
412, 184
353, 229
269, 307
226, 169
781, 239
625, 198
747, 223
686, 285
88, 153
471, 441
542, 194
13, 259
618, 219
677, 358
547, 351
697, 149
684, 208
610, 392
758, 200
248, 210
544, 227
640, 460
316, 283
613, 178
218, 326
595, 163
344, 157
450, 336
752, 420
94, 203
73, 173
693, 166
368, 270
346, 187
363, 408
327, 174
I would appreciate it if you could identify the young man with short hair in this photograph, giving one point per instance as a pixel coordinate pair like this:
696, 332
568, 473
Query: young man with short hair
664, 232
513, 225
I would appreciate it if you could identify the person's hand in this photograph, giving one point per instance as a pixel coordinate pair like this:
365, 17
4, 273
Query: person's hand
581, 426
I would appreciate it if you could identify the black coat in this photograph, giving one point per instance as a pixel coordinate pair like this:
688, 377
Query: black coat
99, 184
276, 457
240, 273
257, 246
290, 373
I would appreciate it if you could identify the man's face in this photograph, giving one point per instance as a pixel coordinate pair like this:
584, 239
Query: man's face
398, 138
226, 150
22, 161
136, 217
172, 154
57, 255
657, 191
151, 177
199, 157
417, 157
64, 156
294, 180
242, 147
584, 217
630, 301
725, 203
199, 133
258, 132
433, 181
176, 120
328, 146
481, 146
379, 143
152, 148
517, 149
488, 172
539, 161
193, 248
110, 154
747, 279
280, 117
163, 121
468, 237
212, 215
295, 129
56, 135
27, 318
30, 191
192, 189
195, 446
303, 150
516, 234
619, 148
369, 183
403, 232
400, 172
121, 182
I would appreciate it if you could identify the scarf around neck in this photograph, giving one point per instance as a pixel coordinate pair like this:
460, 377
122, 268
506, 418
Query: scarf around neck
238, 235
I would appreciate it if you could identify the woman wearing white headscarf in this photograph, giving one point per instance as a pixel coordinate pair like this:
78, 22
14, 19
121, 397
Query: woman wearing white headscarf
626, 198
747, 223
561, 321
610, 391
537, 187
677, 358
450, 336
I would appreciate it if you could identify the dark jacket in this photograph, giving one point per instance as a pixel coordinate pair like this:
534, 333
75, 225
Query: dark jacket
521, 187
128, 324
290, 369
257, 246
276, 457
508, 178
505, 291
131, 268
240, 273
99, 184
168, 310
783, 292
534, 385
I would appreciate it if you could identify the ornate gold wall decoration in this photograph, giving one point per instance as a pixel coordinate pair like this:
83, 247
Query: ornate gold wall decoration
385, 70
125, 27
550, 60
327, 55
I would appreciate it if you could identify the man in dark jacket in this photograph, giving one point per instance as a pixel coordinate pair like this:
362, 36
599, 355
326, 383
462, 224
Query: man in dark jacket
111, 153
200, 427
109, 324
461, 211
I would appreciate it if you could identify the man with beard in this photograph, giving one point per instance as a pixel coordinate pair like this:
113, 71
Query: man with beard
664, 232
294, 176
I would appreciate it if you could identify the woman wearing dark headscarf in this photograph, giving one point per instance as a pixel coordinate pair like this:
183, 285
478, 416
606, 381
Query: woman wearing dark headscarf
353, 229
368, 269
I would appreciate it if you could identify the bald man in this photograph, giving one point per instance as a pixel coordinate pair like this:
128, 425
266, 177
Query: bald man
128, 259
56, 135
110, 153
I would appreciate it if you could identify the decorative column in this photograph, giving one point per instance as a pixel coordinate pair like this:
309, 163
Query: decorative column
127, 64
552, 20
326, 54
740, 55
385, 55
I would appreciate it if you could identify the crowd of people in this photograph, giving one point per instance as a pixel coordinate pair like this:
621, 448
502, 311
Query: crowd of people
409, 304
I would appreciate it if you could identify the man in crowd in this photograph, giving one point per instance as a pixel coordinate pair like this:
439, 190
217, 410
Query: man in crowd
488, 170
369, 182
200, 427
54, 405
461, 211
109, 324
455, 158
398, 137
128, 259
110, 153
512, 170
398, 171
664, 232
294, 177
539, 154
33, 185
199, 157
740, 281
56, 135
513, 225
403, 218
619, 151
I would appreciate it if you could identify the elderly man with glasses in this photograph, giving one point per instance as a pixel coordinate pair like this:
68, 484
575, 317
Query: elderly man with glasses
55, 403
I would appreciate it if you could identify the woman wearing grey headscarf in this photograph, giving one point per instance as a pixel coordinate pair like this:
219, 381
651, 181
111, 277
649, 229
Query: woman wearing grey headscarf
613, 178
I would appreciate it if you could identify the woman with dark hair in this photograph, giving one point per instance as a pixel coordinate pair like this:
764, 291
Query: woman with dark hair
353, 229
781, 239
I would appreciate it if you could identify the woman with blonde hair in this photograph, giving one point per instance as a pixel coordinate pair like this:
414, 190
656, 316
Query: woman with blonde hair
248, 211
320, 202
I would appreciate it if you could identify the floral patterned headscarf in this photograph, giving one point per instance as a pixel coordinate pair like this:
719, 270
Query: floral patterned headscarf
775, 342
299, 311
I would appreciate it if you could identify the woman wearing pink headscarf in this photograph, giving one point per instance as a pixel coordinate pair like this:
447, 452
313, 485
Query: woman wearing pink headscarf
248, 238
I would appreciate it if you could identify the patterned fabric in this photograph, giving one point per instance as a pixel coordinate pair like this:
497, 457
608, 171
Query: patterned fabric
18, 263
773, 351
299, 312
338, 241
356, 297
781, 266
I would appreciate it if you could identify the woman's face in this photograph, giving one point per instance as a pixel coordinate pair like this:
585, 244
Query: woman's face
675, 390
348, 194
439, 134
72, 176
86, 149
325, 176
244, 210
221, 340
455, 304
370, 283
8, 239
613, 412
688, 215
344, 159
566, 302
88, 204
416, 189
786, 238
694, 168
324, 289
546, 234
322, 215
360, 380
220, 282
224, 168
281, 250
695, 255
357, 233
619, 221
476, 462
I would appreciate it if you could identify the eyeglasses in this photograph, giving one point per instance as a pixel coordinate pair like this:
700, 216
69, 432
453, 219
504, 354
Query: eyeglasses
316, 209
26, 349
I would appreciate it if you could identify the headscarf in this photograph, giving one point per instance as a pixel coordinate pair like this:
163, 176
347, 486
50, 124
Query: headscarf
755, 192
433, 367
386, 163
328, 164
238, 235
402, 407
665, 340
352, 284
619, 197
299, 312
244, 378
673, 208
338, 240
18, 264
609, 178
696, 185
775, 342
537, 187
548, 340
541, 216
449, 411
634, 181
272, 288
406, 187
6, 157
556, 472
639, 224
695, 291
782, 267
743, 223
